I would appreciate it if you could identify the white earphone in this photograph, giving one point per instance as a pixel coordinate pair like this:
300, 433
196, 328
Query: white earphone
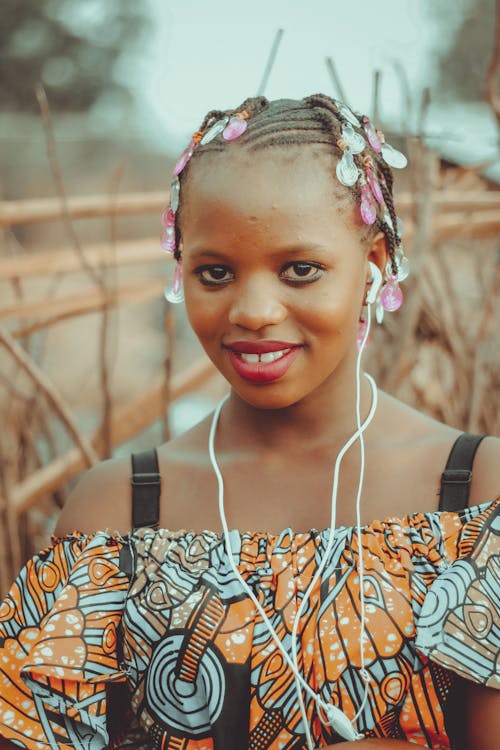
376, 283
328, 713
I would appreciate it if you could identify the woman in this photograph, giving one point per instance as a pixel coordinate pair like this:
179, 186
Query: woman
274, 635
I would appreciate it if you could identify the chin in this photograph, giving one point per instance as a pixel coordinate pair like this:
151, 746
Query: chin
268, 397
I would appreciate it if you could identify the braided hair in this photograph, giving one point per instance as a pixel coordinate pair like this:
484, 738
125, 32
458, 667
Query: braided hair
317, 119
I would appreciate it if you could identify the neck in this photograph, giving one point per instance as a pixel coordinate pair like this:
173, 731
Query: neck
326, 417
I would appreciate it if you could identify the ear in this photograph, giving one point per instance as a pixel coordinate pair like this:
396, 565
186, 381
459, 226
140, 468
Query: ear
377, 253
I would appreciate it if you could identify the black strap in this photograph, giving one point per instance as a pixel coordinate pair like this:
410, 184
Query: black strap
146, 489
457, 476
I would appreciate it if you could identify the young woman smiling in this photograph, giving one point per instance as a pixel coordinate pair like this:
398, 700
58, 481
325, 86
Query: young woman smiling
297, 582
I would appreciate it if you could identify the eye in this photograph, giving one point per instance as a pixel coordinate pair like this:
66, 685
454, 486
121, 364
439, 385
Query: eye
214, 275
301, 272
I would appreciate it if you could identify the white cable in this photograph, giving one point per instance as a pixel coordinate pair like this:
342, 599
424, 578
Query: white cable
335, 716
361, 567
338, 720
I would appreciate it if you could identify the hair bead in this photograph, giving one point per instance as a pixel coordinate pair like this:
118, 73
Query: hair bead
363, 164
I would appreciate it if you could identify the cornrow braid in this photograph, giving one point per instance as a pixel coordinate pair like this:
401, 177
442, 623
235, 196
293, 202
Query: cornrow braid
317, 119
327, 112
210, 118
384, 171
391, 235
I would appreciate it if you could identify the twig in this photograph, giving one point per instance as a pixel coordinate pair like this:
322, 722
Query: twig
129, 252
377, 77
407, 98
335, 79
16, 284
270, 62
13, 390
127, 422
6, 567
45, 385
95, 276
57, 177
32, 211
108, 277
7, 533
83, 302
424, 111
478, 374
492, 74
423, 243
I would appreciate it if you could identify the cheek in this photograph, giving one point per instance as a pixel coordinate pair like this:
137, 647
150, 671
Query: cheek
336, 309
204, 310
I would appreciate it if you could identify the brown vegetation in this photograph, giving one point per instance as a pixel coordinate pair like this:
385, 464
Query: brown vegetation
439, 352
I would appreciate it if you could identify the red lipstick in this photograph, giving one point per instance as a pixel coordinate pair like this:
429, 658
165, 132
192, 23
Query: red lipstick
259, 347
262, 361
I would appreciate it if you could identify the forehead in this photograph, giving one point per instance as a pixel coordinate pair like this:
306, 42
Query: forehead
265, 184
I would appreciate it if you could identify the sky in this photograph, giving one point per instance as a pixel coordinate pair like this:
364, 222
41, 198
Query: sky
212, 54
200, 55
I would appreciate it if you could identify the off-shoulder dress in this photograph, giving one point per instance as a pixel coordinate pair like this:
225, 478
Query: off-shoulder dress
104, 637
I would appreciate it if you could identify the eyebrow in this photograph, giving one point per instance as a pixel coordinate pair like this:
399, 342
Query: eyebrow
284, 250
207, 253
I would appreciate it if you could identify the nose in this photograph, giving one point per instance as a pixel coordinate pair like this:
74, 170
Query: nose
257, 304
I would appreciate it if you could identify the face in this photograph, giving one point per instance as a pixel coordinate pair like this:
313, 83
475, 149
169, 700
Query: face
274, 271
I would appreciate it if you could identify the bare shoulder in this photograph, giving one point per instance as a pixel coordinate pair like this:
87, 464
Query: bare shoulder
486, 474
415, 432
100, 500
425, 444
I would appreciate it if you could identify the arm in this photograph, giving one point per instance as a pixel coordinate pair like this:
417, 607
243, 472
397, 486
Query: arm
482, 727
483, 717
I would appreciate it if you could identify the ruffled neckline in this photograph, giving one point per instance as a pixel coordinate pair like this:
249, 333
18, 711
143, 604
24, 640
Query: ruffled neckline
375, 526
407, 521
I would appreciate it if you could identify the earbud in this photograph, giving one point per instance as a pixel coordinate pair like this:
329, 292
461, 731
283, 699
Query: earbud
337, 719
376, 283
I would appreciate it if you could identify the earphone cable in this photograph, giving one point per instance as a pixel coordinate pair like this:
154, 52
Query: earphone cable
358, 434
335, 715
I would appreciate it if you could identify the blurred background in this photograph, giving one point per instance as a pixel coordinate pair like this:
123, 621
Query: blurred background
99, 97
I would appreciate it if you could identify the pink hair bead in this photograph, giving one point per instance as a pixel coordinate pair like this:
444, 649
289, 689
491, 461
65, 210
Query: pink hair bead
235, 127
184, 158
368, 207
177, 278
374, 185
372, 136
168, 217
391, 295
167, 240
181, 162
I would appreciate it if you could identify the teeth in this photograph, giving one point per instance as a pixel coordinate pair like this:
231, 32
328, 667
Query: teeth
271, 356
265, 358
250, 357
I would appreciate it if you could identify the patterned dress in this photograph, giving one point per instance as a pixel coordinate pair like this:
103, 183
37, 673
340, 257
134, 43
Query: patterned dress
101, 632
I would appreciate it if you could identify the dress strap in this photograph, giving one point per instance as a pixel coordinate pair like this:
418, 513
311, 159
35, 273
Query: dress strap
146, 489
457, 476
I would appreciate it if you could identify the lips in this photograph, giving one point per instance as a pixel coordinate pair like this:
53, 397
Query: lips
262, 361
